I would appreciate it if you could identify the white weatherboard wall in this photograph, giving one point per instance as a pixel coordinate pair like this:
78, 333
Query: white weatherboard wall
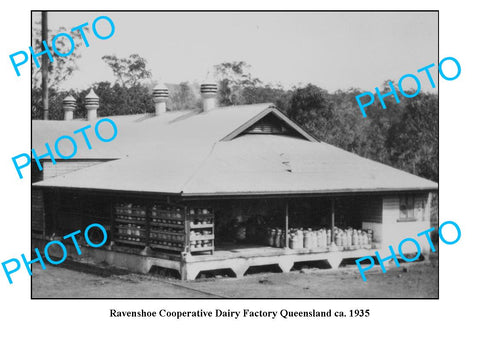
394, 231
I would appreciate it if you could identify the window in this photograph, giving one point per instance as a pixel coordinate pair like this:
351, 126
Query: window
407, 208
412, 208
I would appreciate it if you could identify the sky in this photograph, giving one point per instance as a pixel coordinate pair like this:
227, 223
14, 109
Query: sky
334, 50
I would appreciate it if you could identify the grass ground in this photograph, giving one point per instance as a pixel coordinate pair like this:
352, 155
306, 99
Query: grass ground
74, 280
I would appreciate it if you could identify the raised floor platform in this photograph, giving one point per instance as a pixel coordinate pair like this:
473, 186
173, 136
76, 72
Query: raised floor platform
242, 257
238, 258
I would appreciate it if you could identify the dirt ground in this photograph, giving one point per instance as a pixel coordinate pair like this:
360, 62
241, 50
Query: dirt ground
74, 280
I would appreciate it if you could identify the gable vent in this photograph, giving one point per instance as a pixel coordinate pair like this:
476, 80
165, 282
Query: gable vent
270, 125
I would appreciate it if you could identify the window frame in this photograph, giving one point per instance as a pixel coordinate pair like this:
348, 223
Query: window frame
410, 213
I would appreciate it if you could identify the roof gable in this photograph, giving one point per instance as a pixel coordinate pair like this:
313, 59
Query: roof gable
270, 114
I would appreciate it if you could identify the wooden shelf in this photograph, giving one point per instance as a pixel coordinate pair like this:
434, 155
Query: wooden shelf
127, 227
195, 250
161, 246
157, 224
164, 237
161, 211
202, 237
200, 226
163, 217
130, 221
200, 215
166, 233
130, 214
167, 223
132, 235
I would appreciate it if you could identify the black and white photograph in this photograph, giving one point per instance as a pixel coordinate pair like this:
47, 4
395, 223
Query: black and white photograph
193, 170
230, 158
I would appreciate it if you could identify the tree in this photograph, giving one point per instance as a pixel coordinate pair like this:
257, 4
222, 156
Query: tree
380, 121
352, 127
233, 78
312, 109
267, 94
412, 142
128, 71
55, 107
182, 96
63, 67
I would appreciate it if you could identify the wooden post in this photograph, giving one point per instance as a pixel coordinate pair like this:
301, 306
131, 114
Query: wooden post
332, 218
56, 210
44, 222
148, 207
45, 62
112, 222
187, 229
286, 224
427, 210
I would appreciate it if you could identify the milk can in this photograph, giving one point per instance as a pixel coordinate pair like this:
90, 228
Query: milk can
370, 236
283, 240
339, 239
365, 239
319, 238
271, 237
274, 236
355, 238
307, 240
299, 239
344, 239
278, 236
291, 240
323, 238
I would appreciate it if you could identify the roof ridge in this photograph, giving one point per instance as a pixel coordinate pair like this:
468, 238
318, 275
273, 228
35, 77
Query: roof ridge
194, 173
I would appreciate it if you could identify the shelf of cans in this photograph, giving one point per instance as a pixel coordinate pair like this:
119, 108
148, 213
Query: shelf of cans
130, 222
200, 241
300, 238
129, 210
199, 212
167, 212
167, 226
199, 218
167, 238
131, 233
167, 216
200, 221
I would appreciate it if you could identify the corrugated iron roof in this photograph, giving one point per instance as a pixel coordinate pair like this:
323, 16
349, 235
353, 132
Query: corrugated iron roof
259, 164
184, 154
142, 133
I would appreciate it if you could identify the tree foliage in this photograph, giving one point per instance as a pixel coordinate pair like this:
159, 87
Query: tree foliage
115, 100
63, 67
182, 96
233, 78
128, 71
413, 141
